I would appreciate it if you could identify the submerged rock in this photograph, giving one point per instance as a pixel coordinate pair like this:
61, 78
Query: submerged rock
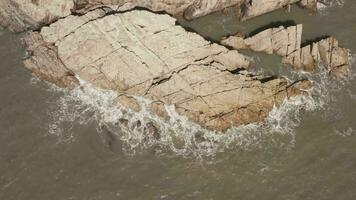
140, 54
286, 42
254, 8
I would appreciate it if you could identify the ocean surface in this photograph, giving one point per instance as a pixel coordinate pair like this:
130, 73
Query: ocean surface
57, 144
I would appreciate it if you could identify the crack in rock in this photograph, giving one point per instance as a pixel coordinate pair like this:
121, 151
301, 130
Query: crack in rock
286, 42
129, 53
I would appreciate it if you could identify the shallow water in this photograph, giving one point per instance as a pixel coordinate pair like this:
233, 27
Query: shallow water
54, 145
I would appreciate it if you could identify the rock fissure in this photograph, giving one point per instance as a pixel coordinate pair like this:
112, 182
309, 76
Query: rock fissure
139, 50
326, 51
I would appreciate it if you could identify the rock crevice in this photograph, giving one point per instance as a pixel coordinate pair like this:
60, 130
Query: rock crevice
141, 54
22, 15
287, 43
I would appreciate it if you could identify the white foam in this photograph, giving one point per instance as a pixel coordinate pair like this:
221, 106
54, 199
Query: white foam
324, 5
345, 133
88, 104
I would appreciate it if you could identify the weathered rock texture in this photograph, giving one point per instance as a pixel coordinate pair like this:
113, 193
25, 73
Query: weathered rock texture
141, 54
20, 15
286, 42
189, 8
310, 4
253, 8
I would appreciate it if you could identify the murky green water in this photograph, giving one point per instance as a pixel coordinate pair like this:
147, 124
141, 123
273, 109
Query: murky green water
84, 162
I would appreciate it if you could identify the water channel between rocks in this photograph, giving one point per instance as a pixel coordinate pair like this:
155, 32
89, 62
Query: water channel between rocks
56, 144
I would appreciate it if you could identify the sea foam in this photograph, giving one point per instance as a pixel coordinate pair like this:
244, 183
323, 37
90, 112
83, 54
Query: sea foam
180, 136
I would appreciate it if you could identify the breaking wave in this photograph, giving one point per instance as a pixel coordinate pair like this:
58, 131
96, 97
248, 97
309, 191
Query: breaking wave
325, 5
88, 104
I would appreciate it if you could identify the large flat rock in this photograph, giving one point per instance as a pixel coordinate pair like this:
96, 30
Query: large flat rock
146, 55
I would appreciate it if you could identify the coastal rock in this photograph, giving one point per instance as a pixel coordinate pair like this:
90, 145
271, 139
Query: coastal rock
20, 15
191, 9
286, 42
327, 52
309, 4
254, 8
146, 55
44, 62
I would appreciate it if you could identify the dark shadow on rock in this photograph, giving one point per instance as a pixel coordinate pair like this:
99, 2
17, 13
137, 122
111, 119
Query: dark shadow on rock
318, 39
276, 24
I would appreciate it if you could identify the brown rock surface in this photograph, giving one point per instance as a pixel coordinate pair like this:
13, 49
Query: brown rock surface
286, 42
21, 15
309, 4
254, 8
142, 54
44, 62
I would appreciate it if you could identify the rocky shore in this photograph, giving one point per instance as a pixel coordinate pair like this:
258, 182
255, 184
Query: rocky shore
21, 15
130, 47
287, 43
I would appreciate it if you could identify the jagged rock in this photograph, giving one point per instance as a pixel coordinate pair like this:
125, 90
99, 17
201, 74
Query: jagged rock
191, 9
152, 130
254, 8
142, 54
128, 102
44, 62
309, 4
20, 15
159, 109
326, 51
314, 5
286, 42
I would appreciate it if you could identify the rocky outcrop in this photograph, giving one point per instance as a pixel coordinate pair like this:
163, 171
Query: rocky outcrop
309, 4
286, 42
140, 54
253, 8
20, 15
191, 9
44, 62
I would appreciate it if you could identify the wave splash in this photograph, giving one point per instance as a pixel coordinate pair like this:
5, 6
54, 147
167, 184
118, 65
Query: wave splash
88, 104
325, 5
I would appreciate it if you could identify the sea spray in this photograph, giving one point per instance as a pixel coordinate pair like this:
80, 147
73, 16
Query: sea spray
178, 135
324, 5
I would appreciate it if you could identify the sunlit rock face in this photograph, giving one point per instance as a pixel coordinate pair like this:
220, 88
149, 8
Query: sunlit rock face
286, 42
142, 54
21, 15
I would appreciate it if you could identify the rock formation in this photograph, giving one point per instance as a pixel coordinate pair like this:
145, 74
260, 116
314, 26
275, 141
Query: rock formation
21, 15
253, 8
286, 42
309, 4
141, 54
